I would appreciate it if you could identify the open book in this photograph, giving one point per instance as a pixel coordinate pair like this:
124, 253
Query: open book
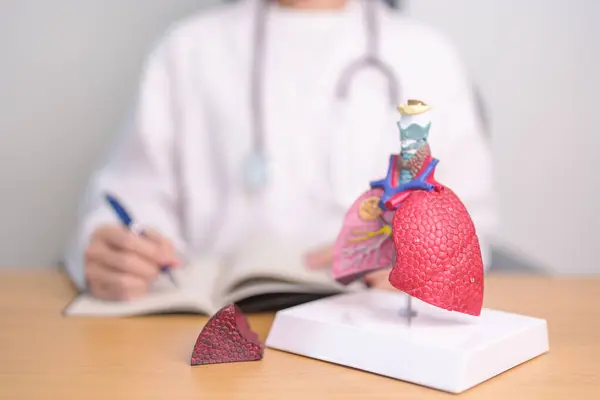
260, 277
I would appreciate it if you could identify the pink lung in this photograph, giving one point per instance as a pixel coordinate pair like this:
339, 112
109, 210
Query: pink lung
353, 259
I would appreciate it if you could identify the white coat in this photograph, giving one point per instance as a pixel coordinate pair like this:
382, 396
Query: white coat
178, 167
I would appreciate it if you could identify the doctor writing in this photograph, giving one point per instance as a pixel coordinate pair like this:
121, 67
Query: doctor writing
262, 121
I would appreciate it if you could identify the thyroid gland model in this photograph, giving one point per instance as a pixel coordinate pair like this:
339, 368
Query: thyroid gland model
414, 225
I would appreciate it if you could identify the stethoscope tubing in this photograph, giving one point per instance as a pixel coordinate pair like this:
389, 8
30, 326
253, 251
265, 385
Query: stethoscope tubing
256, 166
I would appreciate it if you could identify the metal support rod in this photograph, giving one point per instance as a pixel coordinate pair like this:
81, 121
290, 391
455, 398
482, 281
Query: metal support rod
408, 312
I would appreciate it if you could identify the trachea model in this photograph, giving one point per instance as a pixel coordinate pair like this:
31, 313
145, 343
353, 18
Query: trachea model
417, 226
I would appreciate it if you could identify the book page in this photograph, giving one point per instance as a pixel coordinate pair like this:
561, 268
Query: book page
265, 260
256, 287
193, 293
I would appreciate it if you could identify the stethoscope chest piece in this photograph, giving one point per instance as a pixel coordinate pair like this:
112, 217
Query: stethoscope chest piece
255, 172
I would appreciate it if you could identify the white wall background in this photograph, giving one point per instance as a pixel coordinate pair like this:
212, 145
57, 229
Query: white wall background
537, 63
68, 69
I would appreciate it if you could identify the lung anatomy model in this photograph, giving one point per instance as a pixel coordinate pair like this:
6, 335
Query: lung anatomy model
419, 230
414, 225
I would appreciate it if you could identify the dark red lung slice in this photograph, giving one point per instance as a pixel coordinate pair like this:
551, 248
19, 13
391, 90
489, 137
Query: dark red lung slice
227, 338
438, 254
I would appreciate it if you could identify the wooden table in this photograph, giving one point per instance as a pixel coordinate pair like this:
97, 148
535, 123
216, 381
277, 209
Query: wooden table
46, 356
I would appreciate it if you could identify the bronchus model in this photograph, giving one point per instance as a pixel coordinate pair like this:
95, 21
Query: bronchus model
416, 225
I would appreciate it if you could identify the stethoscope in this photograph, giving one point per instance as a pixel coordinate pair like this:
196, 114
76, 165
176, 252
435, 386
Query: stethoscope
256, 167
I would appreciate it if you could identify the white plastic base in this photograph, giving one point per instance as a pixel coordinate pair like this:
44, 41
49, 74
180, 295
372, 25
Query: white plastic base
443, 350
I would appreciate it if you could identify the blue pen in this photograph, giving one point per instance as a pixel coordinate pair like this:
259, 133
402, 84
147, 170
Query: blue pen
127, 221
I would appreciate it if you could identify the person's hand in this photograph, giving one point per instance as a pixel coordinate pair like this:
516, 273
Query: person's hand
319, 258
323, 258
121, 265
379, 280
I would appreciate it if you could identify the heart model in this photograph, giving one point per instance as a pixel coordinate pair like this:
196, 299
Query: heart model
417, 226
